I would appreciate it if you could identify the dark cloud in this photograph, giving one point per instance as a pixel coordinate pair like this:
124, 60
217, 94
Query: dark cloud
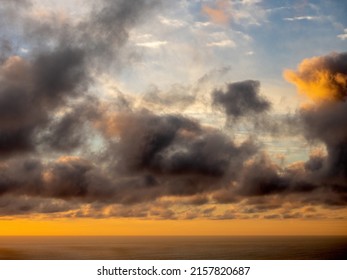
153, 156
241, 99
59, 73
227, 215
321, 78
107, 29
100, 33
5, 49
55, 71
272, 216
24, 205
21, 177
16, 2
174, 145
179, 155
66, 178
115, 18
262, 178
322, 179
68, 132
31, 91
213, 74
326, 123
292, 216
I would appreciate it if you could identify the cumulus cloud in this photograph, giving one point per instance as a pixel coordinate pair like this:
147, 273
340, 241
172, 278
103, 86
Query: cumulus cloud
321, 78
222, 44
241, 99
324, 80
301, 18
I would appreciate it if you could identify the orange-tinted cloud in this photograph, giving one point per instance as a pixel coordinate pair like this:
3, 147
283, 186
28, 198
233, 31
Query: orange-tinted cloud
114, 124
219, 13
320, 78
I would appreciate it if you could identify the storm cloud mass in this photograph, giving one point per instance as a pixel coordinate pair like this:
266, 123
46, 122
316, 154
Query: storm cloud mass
66, 150
241, 99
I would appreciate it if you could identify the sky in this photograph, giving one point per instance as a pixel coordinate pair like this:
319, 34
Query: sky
155, 117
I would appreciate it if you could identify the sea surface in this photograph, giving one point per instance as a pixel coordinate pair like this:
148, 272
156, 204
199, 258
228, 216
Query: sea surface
173, 248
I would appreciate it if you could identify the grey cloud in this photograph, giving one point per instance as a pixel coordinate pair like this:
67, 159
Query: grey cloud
24, 205
174, 145
272, 216
59, 73
66, 178
30, 92
177, 96
241, 99
16, 2
262, 178
5, 49
101, 33
55, 71
213, 74
325, 122
156, 156
107, 29
69, 132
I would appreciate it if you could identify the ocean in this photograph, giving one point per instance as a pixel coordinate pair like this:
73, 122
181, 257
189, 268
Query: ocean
173, 248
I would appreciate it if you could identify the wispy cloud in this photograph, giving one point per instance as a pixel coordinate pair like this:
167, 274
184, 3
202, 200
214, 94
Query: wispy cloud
302, 18
153, 44
172, 22
343, 36
223, 44
220, 39
247, 12
201, 24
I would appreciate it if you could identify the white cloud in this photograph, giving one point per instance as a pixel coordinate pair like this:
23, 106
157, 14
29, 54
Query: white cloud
222, 44
220, 39
141, 37
343, 36
248, 12
172, 22
153, 44
244, 36
201, 24
24, 50
250, 2
302, 18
